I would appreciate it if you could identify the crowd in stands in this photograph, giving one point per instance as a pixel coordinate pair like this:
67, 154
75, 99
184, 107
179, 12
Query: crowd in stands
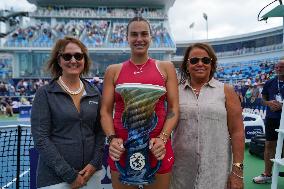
18, 92
160, 36
10, 105
98, 12
118, 34
95, 33
252, 71
41, 34
6, 106
92, 32
22, 87
79, 22
248, 79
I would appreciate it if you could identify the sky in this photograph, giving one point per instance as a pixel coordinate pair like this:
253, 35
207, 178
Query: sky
225, 17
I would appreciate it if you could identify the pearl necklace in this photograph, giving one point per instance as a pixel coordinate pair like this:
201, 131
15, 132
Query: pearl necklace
66, 88
139, 70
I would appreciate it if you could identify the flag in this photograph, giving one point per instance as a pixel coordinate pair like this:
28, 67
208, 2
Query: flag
205, 16
191, 25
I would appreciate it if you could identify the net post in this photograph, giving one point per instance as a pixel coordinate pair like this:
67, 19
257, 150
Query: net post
18, 156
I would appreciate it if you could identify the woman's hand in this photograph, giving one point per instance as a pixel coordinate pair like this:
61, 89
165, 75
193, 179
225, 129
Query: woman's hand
116, 149
87, 172
78, 182
157, 147
235, 180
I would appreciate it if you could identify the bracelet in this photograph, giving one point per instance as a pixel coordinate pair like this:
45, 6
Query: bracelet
109, 138
240, 166
163, 139
237, 175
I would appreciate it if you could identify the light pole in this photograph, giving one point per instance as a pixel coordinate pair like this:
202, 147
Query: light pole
206, 19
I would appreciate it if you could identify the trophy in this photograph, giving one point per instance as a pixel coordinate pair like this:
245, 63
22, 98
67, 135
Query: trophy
139, 119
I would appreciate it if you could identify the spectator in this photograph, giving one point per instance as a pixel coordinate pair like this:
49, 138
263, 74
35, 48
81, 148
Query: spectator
273, 95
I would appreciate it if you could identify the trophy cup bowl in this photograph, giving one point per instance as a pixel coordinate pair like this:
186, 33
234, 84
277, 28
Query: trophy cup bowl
139, 118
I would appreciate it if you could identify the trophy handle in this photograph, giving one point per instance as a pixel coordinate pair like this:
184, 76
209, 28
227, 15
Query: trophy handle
120, 168
155, 169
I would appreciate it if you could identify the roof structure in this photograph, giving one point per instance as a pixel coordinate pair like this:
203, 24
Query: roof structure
276, 12
114, 3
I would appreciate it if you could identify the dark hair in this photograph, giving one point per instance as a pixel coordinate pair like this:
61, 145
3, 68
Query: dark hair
53, 62
184, 75
138, 19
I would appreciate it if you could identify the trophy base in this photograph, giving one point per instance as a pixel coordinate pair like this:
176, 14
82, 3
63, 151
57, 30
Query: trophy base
132, 181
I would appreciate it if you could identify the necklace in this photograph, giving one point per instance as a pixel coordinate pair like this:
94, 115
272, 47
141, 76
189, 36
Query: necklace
139, 69
66, 88
196, 91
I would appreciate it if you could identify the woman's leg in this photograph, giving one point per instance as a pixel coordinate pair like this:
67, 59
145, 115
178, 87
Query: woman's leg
9, 111
162, 181
116, 184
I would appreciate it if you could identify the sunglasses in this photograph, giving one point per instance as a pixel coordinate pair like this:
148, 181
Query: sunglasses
204, 60
68, 56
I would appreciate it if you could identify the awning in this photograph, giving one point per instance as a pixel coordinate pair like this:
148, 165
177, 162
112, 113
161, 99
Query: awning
276, 12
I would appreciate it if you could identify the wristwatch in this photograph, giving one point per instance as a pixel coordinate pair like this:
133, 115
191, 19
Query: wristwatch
239, 165
109, 139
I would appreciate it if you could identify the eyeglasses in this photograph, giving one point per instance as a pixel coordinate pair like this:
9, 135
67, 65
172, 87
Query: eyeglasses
68, 56
195, 60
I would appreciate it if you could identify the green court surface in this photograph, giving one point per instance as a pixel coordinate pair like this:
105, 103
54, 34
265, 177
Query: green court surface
254, 166
5, 118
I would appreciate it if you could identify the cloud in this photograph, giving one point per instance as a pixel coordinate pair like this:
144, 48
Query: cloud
17, 5
225, 18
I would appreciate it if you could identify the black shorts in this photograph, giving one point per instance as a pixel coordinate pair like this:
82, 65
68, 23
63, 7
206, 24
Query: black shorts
270, 125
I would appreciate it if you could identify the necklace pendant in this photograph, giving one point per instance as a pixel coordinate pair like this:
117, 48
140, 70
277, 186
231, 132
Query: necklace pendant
137, 72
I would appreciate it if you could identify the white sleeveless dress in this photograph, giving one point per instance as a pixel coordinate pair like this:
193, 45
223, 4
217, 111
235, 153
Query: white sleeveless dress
201, 141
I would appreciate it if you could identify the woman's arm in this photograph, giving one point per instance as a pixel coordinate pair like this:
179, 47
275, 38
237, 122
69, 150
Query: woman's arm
172, 100
116, 145
236, 131
157, 146
108, 102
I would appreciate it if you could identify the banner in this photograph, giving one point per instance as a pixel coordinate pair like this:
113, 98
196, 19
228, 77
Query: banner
254, 106
25, 113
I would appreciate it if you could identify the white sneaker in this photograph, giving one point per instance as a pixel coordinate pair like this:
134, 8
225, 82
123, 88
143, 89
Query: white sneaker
262, 179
